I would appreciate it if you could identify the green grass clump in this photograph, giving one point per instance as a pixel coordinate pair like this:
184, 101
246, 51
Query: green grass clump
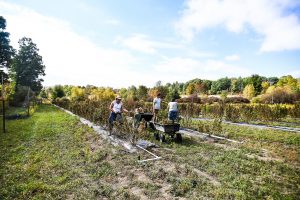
47, 156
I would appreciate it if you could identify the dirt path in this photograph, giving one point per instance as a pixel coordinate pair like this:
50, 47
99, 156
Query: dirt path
205, 136
114, 140
282, 128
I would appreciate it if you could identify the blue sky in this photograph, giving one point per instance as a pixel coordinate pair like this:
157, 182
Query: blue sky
132, 42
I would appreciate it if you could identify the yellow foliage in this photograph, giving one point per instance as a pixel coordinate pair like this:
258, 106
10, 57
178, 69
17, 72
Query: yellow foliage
249, 91
265, 85
153, 92
288, 89
190, 89
102, 94
270, 89
77, 93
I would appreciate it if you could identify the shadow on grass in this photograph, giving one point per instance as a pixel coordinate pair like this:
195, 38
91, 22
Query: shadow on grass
16, 116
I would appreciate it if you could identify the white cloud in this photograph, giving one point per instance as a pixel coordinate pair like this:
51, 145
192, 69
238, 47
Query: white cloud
73, 59
143, 43
176, 68
114, 22
233, 57
69, 57
280, 31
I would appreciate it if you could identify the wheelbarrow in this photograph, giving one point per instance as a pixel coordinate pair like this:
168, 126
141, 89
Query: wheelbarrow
167, 129
140, 116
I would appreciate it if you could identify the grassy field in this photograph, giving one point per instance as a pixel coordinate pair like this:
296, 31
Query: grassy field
51, 155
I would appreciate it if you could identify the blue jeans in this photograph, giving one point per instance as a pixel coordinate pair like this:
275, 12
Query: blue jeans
113, 117
173, 115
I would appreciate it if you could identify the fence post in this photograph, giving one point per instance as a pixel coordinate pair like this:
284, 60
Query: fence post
3, 111
3, 103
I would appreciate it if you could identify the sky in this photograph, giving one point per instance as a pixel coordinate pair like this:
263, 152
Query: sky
119, 43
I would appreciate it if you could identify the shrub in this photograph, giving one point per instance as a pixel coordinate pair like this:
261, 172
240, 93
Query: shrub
256, 99
210, 100
215, 110
232, 113
279, 95
62, 102
236, 100
58, 92
190, 99
247, 113
294, 111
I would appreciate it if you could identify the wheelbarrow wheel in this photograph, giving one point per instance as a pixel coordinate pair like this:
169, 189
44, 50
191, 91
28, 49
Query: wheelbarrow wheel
156, 135
178, 137
172, 135
162, 138
152, 126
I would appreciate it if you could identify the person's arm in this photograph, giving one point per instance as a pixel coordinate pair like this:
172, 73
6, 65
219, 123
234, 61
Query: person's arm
124, 109
111, 107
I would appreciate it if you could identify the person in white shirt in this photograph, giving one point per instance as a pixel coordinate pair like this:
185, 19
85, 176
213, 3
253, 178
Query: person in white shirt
173, 110
156, 106
116, 109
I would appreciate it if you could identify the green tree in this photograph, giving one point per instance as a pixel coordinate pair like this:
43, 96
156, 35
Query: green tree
249, 92
219, 85
132, 93
288, 81
58, 92
43, 93
123, 92
160, 88
6, 51
265, 85
49, 92
142, 92
256, 81
67, 90
273, 80
190, 89
173, 94
28, 67
236, 85
207, 84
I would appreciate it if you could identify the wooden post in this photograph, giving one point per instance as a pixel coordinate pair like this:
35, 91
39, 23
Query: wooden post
28, 109
3, 111
28, 102
3, 104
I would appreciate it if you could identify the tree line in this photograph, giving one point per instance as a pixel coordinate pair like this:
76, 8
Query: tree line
258, 89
